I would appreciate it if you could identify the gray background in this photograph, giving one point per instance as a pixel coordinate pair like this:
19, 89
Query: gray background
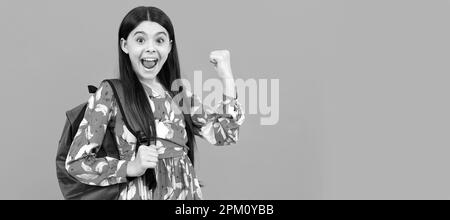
364, 105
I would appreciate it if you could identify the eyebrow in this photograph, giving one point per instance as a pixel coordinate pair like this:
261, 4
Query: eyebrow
141, 32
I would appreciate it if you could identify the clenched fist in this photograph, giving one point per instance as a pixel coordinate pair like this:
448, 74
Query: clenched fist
146, 157
221, 61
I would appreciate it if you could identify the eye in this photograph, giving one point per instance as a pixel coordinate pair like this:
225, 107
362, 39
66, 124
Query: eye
140, 40
160, 40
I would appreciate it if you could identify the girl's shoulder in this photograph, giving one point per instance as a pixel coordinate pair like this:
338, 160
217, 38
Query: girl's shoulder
104, 92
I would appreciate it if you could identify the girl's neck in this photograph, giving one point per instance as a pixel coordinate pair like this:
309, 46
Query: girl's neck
155, 85
151, 82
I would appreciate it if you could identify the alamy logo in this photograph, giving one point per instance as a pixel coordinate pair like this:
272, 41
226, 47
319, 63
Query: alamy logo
254, 95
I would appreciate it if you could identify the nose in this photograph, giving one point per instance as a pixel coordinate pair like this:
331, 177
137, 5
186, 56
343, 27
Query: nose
150, 48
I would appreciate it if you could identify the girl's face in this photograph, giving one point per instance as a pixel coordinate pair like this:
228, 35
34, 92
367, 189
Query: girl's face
148, 46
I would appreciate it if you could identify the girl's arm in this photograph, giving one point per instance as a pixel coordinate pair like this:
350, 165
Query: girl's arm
220, 125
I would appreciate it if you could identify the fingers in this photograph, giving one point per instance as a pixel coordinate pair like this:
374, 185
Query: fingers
145, 148
219, 55
148, 153
149, 164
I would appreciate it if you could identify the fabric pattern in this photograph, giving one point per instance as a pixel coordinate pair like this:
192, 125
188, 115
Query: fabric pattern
175, 174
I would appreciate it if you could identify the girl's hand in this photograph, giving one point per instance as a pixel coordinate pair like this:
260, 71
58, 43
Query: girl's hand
146, 157
221, 61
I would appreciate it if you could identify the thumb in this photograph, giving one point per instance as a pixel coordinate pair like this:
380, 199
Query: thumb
143, 147
213, 61
152, 146
213, 57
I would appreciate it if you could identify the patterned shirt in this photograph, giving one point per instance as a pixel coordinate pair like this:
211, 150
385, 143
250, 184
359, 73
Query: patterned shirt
176, 177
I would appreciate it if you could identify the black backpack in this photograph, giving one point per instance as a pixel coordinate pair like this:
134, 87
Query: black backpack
70, 187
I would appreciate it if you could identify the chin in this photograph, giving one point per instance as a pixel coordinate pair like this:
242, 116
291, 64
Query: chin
149, 76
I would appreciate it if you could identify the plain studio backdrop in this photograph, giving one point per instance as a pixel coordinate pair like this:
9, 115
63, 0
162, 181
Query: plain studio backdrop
364, 90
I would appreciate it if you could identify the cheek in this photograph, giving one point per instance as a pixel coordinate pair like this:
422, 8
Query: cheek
164, 54
134, 51
135, 60
134, 56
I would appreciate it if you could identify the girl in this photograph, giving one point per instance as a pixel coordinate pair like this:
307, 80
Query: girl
148, 65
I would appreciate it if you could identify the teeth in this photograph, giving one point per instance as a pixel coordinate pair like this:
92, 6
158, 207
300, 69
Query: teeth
149, 59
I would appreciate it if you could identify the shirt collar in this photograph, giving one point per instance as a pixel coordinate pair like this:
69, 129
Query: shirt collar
151, 93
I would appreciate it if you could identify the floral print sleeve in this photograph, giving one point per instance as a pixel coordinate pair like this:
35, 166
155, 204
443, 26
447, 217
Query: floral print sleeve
219, 125
81, 161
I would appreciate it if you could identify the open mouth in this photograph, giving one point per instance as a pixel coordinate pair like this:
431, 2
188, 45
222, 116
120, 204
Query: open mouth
149, 63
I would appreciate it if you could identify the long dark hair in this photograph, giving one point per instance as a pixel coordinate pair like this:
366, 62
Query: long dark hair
135, 97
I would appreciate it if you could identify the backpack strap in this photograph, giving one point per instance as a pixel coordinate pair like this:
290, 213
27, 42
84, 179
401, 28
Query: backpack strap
117, 88
133, 127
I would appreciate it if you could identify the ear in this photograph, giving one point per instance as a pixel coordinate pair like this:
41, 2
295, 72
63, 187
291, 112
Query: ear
170, 45
123, 45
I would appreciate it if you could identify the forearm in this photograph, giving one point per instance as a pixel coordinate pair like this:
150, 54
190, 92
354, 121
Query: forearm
229, 87
98, 171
